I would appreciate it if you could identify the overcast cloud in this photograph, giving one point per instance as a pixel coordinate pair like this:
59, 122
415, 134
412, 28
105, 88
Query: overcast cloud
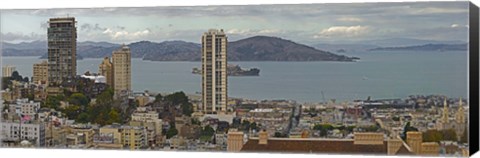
313, 23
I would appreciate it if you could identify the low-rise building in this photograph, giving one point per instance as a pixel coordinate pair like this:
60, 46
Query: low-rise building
153, 125
363, 143
80, 135
142, 100
221, 139
10, 96
55, 135
40, 73
430, 149
131, 137
190, 131
25, 107
134, 137
235, 140
33, 132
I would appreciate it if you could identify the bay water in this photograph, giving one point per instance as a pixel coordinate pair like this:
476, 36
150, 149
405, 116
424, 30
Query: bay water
380, 75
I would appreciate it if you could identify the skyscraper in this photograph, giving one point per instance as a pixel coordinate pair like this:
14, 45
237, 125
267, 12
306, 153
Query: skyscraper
62, 46
106, 69
122, 69
214, 71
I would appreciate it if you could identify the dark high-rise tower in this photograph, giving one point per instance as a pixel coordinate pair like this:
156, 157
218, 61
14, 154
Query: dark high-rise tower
62, 54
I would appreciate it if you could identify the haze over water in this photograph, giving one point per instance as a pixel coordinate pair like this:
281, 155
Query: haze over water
380, 75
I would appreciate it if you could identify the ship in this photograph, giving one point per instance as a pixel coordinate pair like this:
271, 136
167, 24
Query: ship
234, 70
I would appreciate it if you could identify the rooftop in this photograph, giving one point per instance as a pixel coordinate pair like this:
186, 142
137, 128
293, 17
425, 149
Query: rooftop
313, 145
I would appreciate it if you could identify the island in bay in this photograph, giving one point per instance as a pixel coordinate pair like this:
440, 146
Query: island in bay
234, 70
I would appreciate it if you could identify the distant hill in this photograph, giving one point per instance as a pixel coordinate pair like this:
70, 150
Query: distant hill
92, 51
34, 48
344, 47
405, 42
26, 45
264, 48
23, 52
39, 48
97, 44
426, 47
167, 51
257, 48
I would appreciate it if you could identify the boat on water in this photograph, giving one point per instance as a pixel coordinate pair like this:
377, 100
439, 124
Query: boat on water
234, 70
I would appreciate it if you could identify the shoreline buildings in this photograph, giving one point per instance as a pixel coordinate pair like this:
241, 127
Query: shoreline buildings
7, 70
214, 71
62, 50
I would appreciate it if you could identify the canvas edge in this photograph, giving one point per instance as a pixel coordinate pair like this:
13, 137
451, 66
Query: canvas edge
474, 78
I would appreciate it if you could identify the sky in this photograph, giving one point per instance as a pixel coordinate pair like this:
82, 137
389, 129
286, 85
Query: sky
306, 23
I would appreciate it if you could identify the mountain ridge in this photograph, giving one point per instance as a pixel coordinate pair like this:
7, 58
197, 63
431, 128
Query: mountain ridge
426, 47
256, 48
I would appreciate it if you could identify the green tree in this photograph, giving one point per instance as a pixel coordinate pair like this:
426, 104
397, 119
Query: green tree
323, 128
372, 128
100, 114
16, 76
396, 118
279, 135
327, 126
67, 92
78, 99
30, 96
464, 138
83, 118
158, 97
171, 132
449, 134
205, 138
407, 128
5, 107
195, 121
341, 128
177, 98
350, 128
208, 131
253, 126
54, 101
6, 82
187, 109
113, 116
432, 136
101, 118
72, 111
105, 98
245, 125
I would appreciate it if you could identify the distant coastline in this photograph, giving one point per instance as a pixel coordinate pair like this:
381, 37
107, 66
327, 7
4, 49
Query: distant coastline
256, 48
426, 47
